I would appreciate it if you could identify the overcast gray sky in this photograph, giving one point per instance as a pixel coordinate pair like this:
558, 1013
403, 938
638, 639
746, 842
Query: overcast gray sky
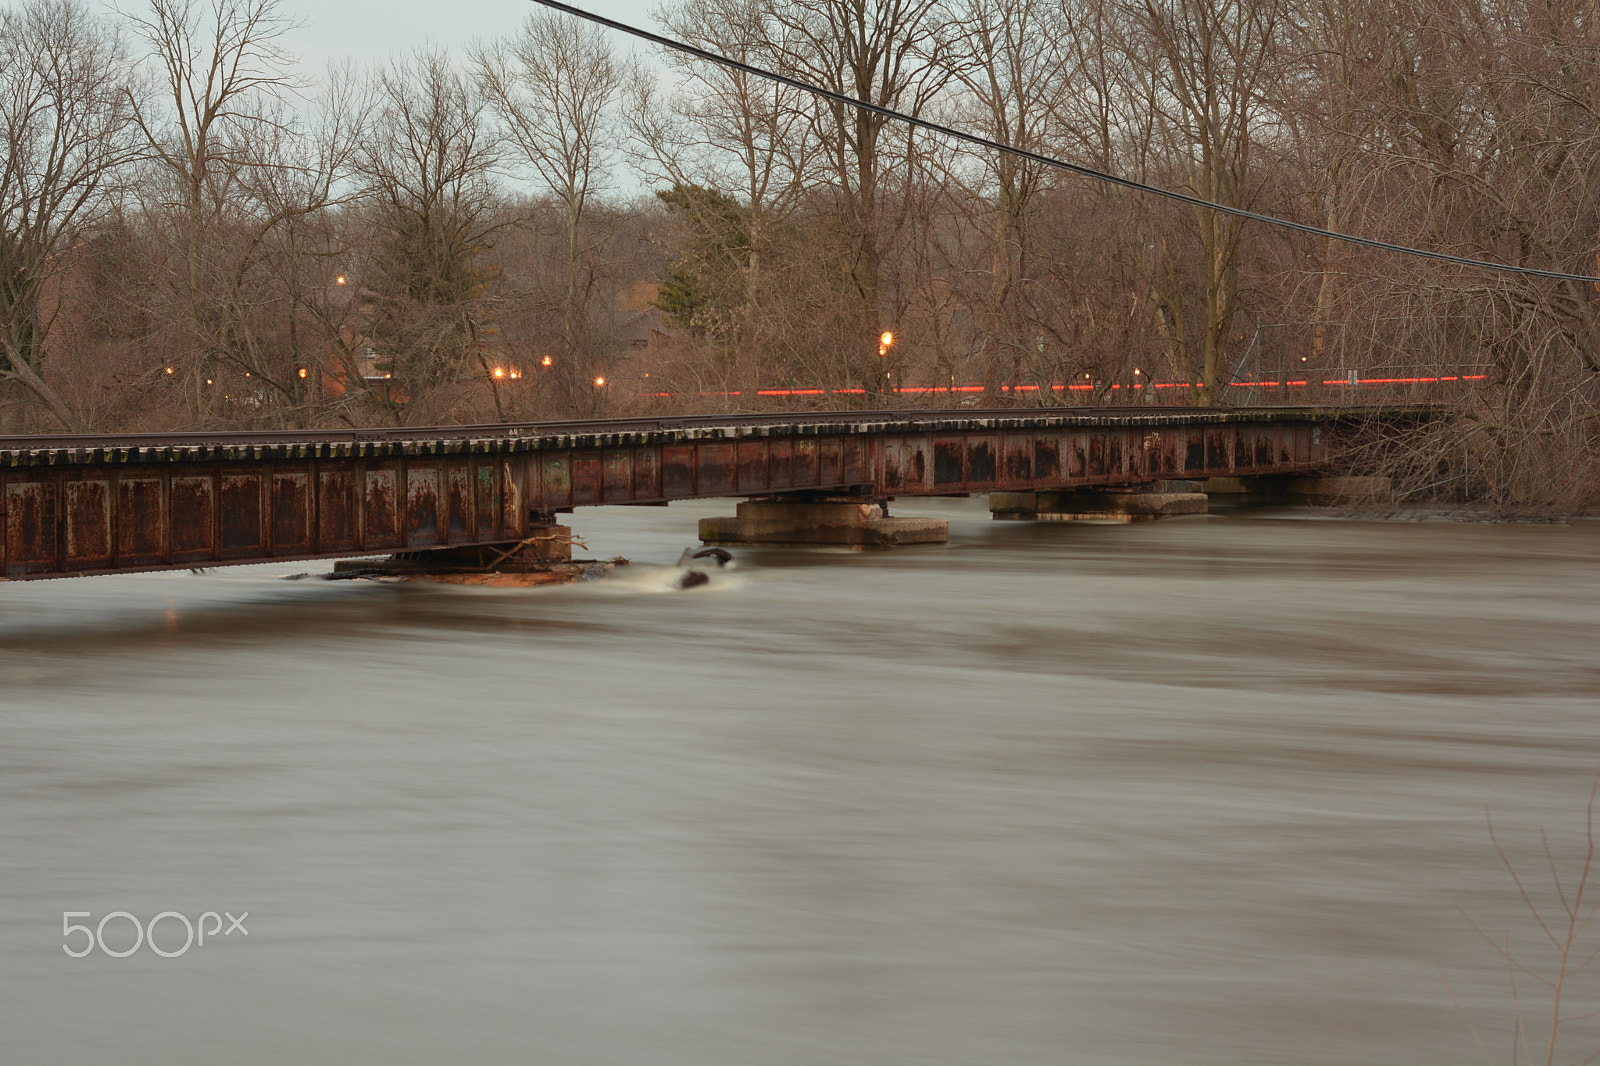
371, 29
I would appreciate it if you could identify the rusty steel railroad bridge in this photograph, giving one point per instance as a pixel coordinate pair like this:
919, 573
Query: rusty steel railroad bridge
81, 505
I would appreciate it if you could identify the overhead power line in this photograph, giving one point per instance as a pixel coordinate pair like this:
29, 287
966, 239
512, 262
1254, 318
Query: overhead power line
1049, 161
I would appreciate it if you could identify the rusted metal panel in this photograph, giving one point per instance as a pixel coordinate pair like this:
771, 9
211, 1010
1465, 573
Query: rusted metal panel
752, 466
88, 532
780, 464
33, 525
949, 462
617, 475
806, 464
916, 464
830, 462
647, 474
292, 512
338, 508
193, 523
516, 496
1046, 459
1218, 459
555, 482
892, 465
461, 496
715, 470
141, 521
1017, 458
380, 508
588, 479
678, 471
244, 514
485, 499
983, 462
855, 468
422, 517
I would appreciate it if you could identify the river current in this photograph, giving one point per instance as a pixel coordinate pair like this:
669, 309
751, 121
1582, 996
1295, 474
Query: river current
1209, 790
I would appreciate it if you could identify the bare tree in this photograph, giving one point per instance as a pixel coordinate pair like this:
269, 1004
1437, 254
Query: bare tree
430, 209
1478, 126
65, 92
1018, 78
893, 53
554, 88
221, 72
1209, 67
743, 136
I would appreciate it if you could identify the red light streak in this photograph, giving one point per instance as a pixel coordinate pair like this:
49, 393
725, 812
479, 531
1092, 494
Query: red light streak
925, 390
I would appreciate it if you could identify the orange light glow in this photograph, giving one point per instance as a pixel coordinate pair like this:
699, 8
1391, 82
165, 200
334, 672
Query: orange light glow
599, 383
302, 371
887, 338
339, 280
516, 373
545, 361
499, 371
169, 370
208, 381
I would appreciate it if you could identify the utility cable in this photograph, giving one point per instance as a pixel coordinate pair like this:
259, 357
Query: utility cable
1044, 160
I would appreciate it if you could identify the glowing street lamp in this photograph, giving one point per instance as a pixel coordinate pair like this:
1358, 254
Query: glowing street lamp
600, 383
499, 371
885, 342
545, 361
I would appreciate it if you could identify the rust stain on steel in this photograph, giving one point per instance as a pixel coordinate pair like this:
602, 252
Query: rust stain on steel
460, 499
291, 513
88, 545
422, 505
338, 510
31, 527
617, 474
133, 504
141, 531
192, 531
380, 509
243, 516
715, 470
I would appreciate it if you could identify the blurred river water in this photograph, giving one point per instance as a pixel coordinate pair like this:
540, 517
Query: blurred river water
1210, 790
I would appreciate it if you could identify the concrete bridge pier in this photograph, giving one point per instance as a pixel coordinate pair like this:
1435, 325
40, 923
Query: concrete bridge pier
807, 519
1138, 503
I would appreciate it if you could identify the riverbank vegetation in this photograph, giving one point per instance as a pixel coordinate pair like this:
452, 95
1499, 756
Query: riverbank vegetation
196, 233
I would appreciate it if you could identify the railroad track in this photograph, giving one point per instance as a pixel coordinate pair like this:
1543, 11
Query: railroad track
960, 418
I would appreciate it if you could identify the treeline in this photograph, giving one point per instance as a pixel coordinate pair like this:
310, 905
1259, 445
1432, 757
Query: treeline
195, 234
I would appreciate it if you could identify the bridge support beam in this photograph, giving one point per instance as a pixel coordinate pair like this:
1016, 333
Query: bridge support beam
1345, 490
845, 522
546, 547
1106, 505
